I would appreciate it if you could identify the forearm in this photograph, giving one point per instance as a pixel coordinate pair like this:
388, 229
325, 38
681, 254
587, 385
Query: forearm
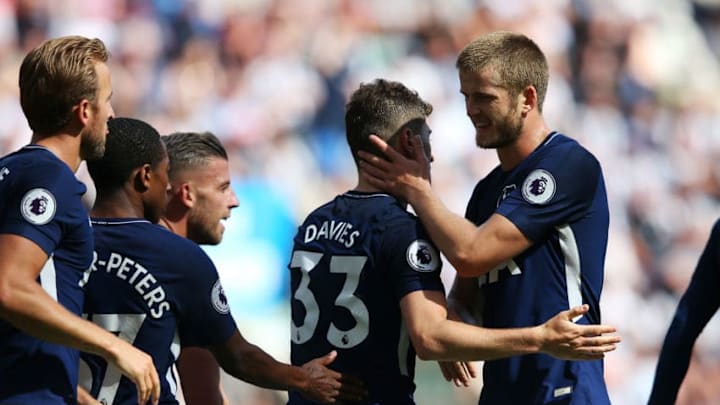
199, 376
452, 233
451, 340
248, 362
29, 308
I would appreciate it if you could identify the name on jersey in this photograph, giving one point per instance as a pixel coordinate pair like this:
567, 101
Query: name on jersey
339, 231
4, 171
139, 278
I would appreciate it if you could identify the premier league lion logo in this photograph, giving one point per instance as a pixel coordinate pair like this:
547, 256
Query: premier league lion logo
422, 256
38, 206
538, 187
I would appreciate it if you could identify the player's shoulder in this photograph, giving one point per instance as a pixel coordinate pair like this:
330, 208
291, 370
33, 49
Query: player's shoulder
36, 166
558, 143
566, 156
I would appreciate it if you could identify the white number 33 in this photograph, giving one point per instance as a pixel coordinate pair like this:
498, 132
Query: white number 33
351, 266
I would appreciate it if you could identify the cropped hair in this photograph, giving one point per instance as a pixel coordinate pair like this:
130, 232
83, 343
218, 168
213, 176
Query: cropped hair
56, 76
191, 150
516, 60
130, 144
383, 108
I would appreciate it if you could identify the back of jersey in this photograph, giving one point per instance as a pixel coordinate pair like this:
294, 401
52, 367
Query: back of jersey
153, 289
353, 261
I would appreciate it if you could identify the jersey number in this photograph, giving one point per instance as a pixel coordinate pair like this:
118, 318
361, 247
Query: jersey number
351, 266
126, 326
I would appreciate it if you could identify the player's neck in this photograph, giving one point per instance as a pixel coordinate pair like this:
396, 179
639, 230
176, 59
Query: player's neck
66, 147
176, 227
364, 187
116, 204
510, 156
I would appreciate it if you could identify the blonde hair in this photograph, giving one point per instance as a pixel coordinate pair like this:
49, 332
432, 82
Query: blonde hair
56, 76
516, 60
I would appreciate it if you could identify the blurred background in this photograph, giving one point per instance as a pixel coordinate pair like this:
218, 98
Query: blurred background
635, 82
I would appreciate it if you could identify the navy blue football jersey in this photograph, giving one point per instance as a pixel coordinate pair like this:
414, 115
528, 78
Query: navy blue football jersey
156, 290
41, 201
557, 199
353, 260
695, 309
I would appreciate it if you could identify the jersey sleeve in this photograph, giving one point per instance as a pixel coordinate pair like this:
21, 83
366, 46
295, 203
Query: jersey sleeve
412, 258
204, 311
558, 190
697, 305
40, 204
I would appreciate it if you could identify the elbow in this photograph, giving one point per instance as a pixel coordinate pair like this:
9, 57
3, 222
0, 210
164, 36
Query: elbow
467, 265
427, 347
7, 299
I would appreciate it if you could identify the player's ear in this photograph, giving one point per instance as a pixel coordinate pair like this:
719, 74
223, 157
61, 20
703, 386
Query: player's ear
186, 194
83, 111
529, 99
405, 145
142, 177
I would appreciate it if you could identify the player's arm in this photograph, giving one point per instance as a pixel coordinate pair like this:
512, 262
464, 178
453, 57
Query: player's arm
696, 307
472, 250
437, 338
314, 379
200, 377
25, 304
84, 397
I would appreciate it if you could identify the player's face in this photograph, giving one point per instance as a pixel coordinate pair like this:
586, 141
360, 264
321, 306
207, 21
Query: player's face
157, 195
92, 144
425, 137
495, 115
214, 200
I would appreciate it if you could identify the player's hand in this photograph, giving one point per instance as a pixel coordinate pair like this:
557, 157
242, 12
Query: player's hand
84, 397
396, 174
458, 372
562, 338
138, 366
330, 387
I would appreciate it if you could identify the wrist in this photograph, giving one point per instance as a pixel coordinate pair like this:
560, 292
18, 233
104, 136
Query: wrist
536, 339
300, 380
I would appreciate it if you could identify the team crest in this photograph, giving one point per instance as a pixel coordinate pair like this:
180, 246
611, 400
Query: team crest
38, 206
422, 256
538, 187
218, 298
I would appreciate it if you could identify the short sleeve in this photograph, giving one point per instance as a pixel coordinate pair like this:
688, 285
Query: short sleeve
412, 258
556, 191
41, 204
204, 311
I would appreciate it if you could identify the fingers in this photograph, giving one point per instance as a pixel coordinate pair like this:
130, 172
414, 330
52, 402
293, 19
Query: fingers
351, 389
459, 373
444, 370
577, 311
328, 358
148, 387
471, 369
156, 386
418, 149
388, 150
596, 330
373, 171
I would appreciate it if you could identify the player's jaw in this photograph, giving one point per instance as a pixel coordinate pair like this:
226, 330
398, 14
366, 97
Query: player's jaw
92, 141
498, 131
